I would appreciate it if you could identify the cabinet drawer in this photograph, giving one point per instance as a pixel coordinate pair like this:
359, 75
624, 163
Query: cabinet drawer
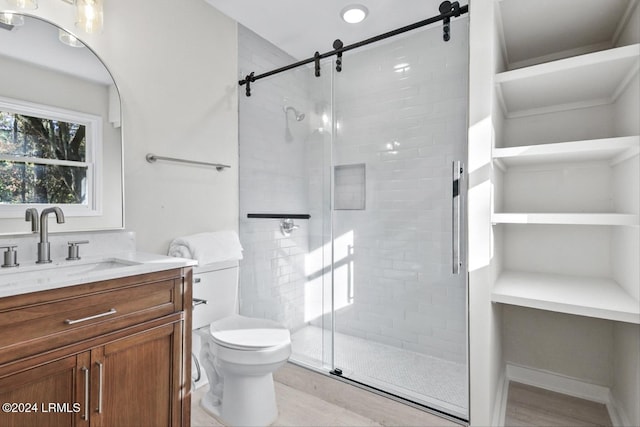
39, 327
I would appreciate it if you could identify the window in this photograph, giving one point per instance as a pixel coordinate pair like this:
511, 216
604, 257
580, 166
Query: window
48, 157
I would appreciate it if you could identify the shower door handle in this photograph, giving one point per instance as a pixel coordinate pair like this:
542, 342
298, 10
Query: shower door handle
456, 213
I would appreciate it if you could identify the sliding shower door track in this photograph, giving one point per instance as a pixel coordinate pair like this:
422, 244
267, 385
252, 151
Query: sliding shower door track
372, 389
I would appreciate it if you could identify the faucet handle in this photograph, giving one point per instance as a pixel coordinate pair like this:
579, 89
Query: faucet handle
74, 249
10, 256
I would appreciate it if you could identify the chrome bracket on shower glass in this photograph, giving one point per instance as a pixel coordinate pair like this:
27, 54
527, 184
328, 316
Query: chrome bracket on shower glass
457, 174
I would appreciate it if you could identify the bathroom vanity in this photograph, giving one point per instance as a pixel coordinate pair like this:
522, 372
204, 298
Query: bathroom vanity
106, 345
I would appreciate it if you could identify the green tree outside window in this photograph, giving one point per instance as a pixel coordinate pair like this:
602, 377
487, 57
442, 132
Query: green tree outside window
42, 160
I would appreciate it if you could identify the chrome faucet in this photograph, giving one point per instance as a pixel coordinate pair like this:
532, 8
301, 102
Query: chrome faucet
44, 255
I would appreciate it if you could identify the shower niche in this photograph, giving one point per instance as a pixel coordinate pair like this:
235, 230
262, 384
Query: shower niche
349, 188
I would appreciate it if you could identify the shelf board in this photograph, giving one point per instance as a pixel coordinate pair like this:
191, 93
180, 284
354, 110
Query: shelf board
613, 150
566, 218
578, 82
601, 298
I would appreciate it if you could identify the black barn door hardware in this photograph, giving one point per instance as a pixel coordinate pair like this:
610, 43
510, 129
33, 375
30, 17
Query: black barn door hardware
447, 11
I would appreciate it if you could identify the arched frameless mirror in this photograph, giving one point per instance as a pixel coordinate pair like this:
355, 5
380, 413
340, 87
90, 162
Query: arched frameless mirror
60, 130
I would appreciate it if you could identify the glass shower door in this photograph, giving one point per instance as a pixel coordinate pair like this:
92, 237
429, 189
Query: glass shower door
399, 128
312, 343
285, 149
366, 284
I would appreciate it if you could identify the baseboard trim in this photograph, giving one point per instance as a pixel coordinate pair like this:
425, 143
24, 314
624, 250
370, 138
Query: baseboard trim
566, 385
500, 403
559, 383
616, 412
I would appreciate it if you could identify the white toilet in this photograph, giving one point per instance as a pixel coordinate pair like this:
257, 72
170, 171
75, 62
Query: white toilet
239, 354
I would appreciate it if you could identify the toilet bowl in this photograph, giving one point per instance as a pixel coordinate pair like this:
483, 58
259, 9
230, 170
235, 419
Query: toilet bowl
239, 355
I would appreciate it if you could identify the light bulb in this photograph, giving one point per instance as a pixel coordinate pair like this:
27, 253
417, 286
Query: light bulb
89, 15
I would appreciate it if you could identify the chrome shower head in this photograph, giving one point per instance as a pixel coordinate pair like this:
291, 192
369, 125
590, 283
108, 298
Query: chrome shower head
299, 116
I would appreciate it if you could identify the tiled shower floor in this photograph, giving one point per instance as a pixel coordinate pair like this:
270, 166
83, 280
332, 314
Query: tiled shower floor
431, 381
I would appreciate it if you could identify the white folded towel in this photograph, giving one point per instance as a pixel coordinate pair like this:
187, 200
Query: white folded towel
207, 248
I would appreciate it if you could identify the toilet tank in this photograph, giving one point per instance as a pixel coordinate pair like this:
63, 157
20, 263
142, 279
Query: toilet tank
217, 284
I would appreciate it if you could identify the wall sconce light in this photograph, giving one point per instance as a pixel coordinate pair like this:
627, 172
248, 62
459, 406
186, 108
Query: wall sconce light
89, 15
11, 19
23, 4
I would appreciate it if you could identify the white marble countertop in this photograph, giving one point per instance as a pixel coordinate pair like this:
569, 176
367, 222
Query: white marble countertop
32, 277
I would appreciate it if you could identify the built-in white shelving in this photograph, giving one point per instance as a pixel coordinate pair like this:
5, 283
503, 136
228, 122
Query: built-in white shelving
578, 82
566, 218
601, 298
565, 192
613, 150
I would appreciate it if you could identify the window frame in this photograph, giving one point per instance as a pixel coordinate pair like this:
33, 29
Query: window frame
93, 159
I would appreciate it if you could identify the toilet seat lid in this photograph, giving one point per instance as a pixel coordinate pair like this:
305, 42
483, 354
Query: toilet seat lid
246, 333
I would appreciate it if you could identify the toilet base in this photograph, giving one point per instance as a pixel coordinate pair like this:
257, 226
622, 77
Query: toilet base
247, 401
210, 405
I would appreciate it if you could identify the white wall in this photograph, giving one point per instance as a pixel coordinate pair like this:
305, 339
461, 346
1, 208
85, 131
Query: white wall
175, 65
574, 346
570, 125
485, 318
631, 31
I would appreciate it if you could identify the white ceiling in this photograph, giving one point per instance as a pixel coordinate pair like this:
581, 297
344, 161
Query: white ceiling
300, 27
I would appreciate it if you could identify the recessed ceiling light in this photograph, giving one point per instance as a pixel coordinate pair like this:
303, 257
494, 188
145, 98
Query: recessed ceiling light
354, 13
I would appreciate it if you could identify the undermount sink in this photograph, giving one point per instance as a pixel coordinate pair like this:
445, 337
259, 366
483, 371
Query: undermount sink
45, 272
109, 264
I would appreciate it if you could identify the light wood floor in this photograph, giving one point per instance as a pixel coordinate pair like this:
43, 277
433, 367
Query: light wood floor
532, 406
306, 398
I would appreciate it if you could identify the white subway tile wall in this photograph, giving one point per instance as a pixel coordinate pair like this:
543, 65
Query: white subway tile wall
273, 179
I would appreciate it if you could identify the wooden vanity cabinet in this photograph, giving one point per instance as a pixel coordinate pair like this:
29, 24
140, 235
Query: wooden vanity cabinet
135, 375
51, 382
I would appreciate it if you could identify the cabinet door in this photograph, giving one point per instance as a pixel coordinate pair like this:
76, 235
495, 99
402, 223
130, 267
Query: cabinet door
44, 396
135, 381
